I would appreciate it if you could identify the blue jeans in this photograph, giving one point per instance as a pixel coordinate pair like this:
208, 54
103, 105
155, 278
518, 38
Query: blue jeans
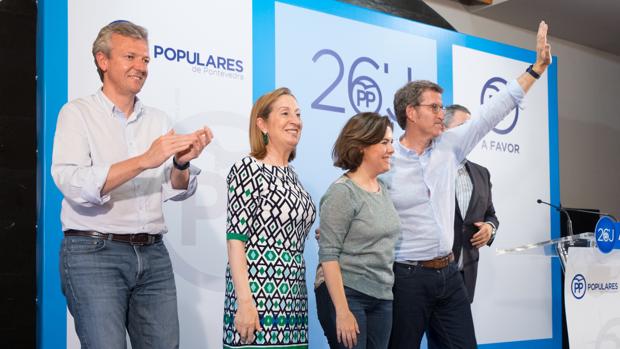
431, 300
373, 315
113, 287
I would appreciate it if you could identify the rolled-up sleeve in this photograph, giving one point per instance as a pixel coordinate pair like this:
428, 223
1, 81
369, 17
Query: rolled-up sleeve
336, 214
169, 193
72, 170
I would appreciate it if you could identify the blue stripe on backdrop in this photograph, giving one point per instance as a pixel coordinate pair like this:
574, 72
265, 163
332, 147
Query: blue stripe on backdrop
554, 168
263, 47
51, 95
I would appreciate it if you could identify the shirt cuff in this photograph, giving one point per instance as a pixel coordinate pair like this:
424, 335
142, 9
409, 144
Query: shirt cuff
517, 93
192, 185
91, 191
326, 257
492, 225
492, 233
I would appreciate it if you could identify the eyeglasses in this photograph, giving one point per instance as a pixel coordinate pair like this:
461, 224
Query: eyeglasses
435, 108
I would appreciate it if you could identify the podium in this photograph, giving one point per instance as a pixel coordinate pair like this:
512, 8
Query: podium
553, 248
591, 287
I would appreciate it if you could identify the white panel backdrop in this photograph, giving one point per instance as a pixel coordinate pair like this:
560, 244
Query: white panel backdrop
192, 95
518, 287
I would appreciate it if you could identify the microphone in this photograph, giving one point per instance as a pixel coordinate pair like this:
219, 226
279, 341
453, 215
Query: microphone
569, 222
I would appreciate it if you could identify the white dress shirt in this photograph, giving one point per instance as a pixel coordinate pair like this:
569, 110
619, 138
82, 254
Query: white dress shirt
91, 135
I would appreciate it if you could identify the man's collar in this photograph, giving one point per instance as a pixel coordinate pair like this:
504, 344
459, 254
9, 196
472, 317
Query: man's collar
113, 109
407, 150
107, 103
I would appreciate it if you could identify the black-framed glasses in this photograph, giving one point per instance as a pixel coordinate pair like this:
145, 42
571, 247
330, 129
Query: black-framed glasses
435, 108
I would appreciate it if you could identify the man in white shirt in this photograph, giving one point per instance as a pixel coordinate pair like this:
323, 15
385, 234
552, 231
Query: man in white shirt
116, 161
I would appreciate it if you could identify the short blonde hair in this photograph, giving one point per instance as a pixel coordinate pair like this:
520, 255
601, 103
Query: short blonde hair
261, 109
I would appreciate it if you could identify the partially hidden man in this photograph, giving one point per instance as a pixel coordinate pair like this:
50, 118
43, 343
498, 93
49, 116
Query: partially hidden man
475, 221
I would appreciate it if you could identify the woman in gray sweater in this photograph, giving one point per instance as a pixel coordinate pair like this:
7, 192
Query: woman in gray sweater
359, 229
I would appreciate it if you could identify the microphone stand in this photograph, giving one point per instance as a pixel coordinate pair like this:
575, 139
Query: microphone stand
562, 250
569, 222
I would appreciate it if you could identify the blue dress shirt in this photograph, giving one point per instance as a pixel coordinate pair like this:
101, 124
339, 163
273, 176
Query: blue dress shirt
422, 186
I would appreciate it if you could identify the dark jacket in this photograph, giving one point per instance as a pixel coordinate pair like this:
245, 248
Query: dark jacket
480, 209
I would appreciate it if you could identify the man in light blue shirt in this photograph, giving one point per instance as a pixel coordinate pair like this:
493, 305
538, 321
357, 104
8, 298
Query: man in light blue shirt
429, 294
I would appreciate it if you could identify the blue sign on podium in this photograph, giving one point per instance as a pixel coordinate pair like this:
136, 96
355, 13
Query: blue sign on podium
606, 234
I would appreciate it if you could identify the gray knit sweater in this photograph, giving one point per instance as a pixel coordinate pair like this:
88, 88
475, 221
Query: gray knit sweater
359, 229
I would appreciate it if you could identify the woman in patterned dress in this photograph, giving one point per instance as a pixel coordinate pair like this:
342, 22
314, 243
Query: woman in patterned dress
268, 217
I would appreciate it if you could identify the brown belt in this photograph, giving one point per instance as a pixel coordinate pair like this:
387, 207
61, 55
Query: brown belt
140, 239
437, 263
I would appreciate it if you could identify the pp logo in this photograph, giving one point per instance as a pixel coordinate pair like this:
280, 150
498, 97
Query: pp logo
364, 92
365, 95
578, 286
491, 88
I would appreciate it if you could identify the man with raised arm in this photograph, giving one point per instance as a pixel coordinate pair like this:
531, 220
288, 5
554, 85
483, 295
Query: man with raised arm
429, 294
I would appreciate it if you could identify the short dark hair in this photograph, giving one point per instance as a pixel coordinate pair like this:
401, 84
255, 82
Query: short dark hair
410, 95
361, 131
449, 114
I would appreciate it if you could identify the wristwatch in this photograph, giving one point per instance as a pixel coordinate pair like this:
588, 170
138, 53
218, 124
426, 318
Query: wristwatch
531, 71
493, 231
179, 167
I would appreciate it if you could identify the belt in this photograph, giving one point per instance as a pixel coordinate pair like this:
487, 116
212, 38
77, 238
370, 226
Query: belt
437, 263
140, 239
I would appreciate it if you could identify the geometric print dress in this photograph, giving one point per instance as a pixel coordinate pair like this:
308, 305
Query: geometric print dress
271, 212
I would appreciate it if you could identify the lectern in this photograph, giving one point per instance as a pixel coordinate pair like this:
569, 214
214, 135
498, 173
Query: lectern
591, 284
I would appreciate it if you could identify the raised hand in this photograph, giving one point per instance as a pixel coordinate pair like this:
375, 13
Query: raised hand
543, 49
543, 59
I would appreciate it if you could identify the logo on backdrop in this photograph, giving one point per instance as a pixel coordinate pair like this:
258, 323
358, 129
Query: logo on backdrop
364, 91
202, 62
198, 255
490, 89
578, 286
